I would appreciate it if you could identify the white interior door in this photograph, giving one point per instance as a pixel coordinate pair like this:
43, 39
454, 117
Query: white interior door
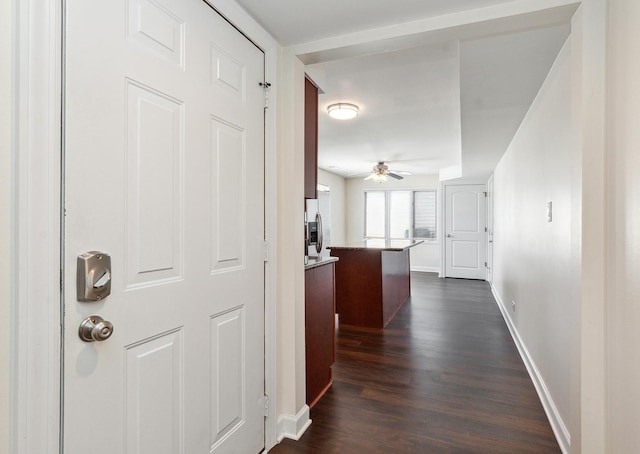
465, 238
164, 171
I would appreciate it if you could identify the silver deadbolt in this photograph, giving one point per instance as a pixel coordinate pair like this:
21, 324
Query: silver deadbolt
95, 328
93, 276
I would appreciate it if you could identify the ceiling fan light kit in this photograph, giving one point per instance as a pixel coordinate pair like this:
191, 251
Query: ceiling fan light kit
379, 177
343, 111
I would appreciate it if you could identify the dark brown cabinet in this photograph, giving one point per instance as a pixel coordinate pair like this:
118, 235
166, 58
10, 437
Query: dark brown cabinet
319, 330
310, 140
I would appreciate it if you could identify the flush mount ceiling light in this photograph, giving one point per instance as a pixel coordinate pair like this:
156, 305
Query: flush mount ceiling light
343, 111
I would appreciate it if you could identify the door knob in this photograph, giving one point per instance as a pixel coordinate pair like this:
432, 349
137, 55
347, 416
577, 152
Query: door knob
95, 328
448, 235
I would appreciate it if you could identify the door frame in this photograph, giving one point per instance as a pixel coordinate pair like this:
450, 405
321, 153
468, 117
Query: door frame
37, 175
490, 229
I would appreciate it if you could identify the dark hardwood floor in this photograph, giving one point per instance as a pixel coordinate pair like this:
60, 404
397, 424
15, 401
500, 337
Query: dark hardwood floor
443, 377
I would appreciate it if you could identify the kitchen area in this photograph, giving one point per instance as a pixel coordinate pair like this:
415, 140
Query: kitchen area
346, 284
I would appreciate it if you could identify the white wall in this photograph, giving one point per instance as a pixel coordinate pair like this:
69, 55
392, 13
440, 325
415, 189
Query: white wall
290, 280
534, 262
338, 208
424, 257
588, 42
623, 243
5, 219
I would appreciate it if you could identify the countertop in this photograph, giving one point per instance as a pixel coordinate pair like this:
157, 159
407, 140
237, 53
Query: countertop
315, 262
379, 244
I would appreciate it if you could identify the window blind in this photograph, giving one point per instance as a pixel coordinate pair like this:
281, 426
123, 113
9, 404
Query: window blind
424, 214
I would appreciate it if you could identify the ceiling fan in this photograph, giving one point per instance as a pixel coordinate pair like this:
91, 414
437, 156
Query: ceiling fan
381, 171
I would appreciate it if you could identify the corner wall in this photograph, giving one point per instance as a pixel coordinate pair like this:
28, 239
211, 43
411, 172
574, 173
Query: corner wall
291, 406
6, 15
623, 215
588, 46
534, 260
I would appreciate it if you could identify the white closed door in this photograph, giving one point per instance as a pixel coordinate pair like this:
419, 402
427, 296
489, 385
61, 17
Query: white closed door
465, 236
164, 164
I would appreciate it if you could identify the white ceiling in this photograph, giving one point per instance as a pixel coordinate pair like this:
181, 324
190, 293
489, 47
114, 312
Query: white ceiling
451, 93
298, 21
409, 110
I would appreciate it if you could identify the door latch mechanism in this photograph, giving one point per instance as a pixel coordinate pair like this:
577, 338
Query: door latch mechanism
93, 276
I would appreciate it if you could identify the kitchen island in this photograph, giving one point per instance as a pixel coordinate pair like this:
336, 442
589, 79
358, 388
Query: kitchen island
372, 280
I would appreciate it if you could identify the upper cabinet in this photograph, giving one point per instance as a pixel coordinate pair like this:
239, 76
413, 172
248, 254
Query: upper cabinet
310, 139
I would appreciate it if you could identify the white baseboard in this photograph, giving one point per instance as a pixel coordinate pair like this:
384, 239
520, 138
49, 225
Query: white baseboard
293, 427
425, 269
557, 424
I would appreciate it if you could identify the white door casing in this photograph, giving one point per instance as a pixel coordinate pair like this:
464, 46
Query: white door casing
490, 229
164, 154
465, 236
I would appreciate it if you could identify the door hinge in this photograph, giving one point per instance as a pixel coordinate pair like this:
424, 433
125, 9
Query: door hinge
266, 406
267, 89
265, 251
485, 193
485, 229
485, 265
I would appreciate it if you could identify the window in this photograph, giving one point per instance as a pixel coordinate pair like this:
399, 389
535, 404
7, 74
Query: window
397, 214
424, 214
375, 213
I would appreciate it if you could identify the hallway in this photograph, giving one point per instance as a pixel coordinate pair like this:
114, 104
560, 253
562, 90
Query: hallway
443, 377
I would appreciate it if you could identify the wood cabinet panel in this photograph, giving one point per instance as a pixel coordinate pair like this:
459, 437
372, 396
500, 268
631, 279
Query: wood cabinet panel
319, 330
396, 282
310, 140
371, 285
359, 287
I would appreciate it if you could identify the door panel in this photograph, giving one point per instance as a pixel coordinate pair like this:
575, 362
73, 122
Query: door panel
464, 212
154, 127
156, 28
228, 194
465, 246
464, 254
164, 141
226, 393
154, 381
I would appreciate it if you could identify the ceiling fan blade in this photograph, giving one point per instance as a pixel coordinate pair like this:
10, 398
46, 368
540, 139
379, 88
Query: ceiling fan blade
396, 176
401, 172
370, 176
